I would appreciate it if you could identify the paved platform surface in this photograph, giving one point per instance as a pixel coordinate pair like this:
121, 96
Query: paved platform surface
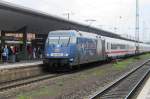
20, 64
145, 92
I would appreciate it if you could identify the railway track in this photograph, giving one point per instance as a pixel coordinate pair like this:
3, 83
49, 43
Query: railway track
21, 82
6, 85
124, 87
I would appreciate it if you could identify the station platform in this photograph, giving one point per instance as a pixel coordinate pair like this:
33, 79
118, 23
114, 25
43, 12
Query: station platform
145, 92
20, 64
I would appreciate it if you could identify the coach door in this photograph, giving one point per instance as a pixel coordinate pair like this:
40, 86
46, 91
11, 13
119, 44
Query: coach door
103, 48
99, 47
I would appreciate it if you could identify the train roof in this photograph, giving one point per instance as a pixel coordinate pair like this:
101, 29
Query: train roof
95, 34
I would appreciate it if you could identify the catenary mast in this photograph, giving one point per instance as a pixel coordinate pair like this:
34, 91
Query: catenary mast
137, 26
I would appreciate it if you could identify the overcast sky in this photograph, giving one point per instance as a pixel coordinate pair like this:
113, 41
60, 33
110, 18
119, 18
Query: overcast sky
107, 13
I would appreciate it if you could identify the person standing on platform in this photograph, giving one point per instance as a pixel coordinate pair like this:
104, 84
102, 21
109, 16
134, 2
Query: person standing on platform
34, 53
0, 53
5, 53
2, 57
13, 48
16, 54
29, 49
39, 52
9, 53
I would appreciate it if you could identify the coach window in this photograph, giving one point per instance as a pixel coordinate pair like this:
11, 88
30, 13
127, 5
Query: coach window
107, 45
127, 47
114, 46
122, 46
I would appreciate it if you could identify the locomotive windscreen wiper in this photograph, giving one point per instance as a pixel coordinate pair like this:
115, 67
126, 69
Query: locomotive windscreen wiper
68, 41
59, 40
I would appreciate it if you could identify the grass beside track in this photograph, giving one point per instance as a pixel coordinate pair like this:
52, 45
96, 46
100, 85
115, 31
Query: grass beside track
120, 65
60, 86
43, 91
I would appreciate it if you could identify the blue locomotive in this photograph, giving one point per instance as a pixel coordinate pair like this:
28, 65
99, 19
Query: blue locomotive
72, 48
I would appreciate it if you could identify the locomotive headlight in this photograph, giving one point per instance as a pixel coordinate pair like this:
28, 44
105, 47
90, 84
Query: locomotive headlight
51, 54
71, 59
66, 54
47, 54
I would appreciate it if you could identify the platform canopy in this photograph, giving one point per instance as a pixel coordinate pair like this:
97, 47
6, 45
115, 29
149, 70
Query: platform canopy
14, 17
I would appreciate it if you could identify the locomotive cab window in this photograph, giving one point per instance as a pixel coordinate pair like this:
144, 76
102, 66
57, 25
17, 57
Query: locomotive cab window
59, 40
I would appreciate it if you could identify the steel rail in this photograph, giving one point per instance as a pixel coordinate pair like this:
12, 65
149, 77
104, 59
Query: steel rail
27, 81
114, 83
